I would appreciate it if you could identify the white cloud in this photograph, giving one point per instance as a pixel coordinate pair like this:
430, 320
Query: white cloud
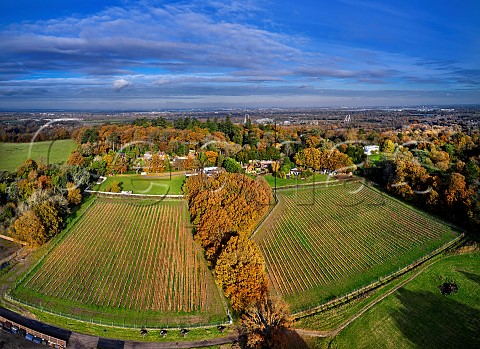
120, 84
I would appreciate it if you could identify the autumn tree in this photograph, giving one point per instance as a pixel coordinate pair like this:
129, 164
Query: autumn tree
76, 158
266, 324
74, 195
211, 157
156, 164
309, 157
275, 167
240, 271
50, 218
440, 159
29, 228
388, 146
43, 182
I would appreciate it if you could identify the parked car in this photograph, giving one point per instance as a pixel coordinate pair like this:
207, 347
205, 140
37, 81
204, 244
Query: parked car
29, 336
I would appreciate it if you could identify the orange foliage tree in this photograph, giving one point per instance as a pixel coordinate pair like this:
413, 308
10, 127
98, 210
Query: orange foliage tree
240, 271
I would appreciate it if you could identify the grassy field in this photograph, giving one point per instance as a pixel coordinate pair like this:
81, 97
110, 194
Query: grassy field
150, 184
419, 316
13, 155
321, 243
127, 263
283, 182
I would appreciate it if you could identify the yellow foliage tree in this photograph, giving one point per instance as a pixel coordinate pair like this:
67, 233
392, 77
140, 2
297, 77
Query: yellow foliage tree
74, 195
240, 271
50, 218
29, 228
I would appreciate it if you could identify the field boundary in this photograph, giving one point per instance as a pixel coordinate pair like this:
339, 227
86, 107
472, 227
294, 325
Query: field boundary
380, 282
110, 323
153, 196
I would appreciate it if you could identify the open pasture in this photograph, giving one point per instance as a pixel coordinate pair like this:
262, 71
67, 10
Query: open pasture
129, 263
323, 242
13, 155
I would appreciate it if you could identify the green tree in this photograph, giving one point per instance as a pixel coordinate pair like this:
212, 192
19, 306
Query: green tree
232, 166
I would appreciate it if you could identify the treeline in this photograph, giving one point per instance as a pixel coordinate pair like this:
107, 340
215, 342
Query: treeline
116, 148
23, 131
37, 198
439, 177
224, 210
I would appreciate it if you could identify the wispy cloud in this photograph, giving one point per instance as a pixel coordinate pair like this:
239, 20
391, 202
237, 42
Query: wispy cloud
202, 50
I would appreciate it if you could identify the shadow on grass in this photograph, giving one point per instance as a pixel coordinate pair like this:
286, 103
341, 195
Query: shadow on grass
474, 277
432, 321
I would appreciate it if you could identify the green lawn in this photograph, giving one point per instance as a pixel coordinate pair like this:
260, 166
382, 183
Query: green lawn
13, 155
283, 182
419, 316
149, 184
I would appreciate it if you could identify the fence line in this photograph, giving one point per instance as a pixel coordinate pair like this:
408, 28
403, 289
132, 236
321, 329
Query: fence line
113, 323
380, 282
107, 193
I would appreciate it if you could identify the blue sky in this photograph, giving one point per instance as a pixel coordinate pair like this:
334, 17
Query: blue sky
69, 54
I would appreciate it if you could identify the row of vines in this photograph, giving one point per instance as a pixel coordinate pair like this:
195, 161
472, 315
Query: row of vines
320, 243
128, 257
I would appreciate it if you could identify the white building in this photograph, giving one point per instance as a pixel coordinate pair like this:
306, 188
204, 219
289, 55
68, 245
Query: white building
371, 149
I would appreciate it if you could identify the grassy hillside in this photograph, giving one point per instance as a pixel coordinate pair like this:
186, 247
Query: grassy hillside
419, 316
13, 155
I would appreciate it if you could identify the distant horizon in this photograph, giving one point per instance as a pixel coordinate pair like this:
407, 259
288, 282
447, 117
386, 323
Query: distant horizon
233, 108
